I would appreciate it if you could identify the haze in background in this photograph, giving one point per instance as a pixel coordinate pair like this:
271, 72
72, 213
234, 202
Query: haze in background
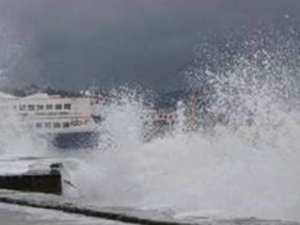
73, 44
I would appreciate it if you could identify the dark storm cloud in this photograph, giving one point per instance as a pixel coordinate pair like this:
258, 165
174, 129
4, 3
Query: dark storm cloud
75, 42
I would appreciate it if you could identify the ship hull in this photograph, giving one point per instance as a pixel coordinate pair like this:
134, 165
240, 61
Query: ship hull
76, 140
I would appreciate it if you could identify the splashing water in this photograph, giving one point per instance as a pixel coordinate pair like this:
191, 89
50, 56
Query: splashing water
16, 140
247, 164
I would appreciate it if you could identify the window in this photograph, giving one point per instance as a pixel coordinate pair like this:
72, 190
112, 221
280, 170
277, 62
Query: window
49, 107
39, 107
66, 124
76, 123
38, 125
56, 125
31, 107
22, 107
58, 107
48, 125
67, 106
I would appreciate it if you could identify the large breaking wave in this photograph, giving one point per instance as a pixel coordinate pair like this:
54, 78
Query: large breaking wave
242, 161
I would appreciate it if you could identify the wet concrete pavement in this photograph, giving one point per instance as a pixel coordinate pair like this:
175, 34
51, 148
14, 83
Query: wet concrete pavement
21, 215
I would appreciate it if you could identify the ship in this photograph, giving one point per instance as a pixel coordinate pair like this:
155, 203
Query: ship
68, 121
73, 120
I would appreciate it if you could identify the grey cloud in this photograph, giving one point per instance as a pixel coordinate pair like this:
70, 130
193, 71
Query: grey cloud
74, 42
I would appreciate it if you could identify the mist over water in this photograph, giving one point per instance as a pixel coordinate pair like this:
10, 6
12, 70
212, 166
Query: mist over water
243, 163
17, 140
12, 50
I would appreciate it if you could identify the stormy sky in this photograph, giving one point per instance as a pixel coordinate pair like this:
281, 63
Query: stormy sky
72, 44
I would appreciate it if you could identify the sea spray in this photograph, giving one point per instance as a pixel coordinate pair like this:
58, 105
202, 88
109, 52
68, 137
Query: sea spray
120, 132
12, 49
245, 165
17, 138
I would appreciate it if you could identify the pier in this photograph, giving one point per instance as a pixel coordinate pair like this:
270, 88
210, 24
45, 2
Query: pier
47, 180
44, 183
